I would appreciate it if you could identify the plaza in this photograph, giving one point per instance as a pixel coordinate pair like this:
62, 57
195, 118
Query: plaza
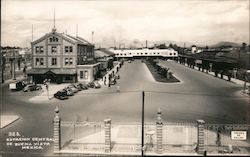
198, 96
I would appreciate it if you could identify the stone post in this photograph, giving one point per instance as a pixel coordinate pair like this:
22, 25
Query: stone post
200, 138
159, 125
57, 131
107, 126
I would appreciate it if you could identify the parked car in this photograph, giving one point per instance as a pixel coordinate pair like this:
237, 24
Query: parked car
69, 91
78, 86
32, 87
73, 88
62, 95
97, 84
84, 86
91, 85
16, 86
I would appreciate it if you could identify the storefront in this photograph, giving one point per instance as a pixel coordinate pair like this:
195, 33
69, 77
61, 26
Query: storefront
54, 75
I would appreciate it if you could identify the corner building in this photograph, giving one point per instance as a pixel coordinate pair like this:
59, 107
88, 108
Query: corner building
62, 58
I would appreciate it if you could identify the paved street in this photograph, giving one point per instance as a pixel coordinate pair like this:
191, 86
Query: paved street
199, 96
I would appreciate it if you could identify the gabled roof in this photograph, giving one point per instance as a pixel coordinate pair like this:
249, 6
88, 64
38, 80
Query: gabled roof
67, 37
83, 40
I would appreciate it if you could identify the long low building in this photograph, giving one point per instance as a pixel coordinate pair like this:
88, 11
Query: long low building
167, 53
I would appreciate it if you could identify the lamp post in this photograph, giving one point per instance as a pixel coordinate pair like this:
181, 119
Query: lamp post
142, 127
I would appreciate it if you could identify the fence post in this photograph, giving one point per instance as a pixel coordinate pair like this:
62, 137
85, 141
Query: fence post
107, 125
57, 131
200, 138
159, 125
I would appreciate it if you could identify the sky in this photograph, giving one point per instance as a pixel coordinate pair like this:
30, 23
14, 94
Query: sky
126, 21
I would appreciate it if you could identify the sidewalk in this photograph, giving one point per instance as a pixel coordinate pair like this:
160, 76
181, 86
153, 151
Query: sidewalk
7, 120
126, 140
233, 80
101, 81
47, 96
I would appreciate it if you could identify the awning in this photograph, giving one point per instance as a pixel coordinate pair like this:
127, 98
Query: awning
55, 71
37, 71
64, 71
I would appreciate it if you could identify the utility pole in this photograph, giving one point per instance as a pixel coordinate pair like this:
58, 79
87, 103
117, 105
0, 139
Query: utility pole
142, 126
92, 37
2, 67
14, 65
76, 30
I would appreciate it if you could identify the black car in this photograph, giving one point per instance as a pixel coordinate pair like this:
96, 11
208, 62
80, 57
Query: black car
62, 95
32, 87
78, 86
69, 91
83, 86
91, 85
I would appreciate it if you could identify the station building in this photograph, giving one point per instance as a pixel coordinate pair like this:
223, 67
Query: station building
142, 53
62, 58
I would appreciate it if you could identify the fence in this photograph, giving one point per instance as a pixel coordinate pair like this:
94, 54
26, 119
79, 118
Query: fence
160, 137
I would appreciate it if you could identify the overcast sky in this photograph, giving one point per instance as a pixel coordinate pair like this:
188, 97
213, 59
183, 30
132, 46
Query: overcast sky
196, 21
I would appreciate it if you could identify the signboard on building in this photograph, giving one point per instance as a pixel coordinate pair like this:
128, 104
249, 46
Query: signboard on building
238, 135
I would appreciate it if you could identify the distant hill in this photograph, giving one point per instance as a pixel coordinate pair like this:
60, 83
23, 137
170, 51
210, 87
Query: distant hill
167, 42
226, 44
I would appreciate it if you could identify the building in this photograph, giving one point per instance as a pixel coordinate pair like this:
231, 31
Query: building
135, 53
62, 58
105, 58
193, 49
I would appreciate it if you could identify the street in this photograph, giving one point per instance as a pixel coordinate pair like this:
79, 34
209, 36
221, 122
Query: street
198, 96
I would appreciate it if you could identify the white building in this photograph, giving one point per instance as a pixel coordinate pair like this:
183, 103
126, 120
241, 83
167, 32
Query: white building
168, 53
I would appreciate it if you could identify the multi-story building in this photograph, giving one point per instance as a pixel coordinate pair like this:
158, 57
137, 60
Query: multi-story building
62, 58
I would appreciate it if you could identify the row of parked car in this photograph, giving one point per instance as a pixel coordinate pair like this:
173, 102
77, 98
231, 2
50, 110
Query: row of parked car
22, 85
71, 89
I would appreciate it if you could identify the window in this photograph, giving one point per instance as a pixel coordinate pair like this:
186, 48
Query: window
68, 48
37, 61
41, 61
174, 53
53, 49
39, 49
68, 78
86, 74
170, 54
54, 61
53, 39
70, 61
158, 53
66, 61
81, 74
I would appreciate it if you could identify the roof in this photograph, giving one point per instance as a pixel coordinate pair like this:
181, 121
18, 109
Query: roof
70, 38
55, 71
37, 71
103, 53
